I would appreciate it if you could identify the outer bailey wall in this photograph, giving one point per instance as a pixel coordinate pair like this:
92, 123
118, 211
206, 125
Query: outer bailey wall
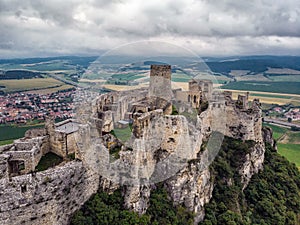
47, 197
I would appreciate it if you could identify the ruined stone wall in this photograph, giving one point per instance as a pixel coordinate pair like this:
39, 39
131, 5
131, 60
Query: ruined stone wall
35, 132
160, 82
48, 197
28, 151
57, 140
235, 119
207, 88
71, 143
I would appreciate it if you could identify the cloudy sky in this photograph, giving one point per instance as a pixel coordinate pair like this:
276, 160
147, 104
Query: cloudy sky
207, 27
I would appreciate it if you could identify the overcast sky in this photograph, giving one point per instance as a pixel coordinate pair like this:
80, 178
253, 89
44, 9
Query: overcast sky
208, 27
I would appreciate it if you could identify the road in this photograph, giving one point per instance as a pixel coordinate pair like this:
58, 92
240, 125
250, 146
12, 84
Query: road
63, 80
282, 123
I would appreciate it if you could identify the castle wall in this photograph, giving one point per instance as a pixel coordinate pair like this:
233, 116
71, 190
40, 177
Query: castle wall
160, 82
27, 152
47, 197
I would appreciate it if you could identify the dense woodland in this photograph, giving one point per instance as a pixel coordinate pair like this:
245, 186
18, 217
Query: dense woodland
272, 196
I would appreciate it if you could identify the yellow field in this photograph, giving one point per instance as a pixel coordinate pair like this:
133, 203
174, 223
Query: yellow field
29, 84
123, 87
92, 81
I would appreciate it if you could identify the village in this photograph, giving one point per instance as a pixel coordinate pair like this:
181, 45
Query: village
21, 108
283, 112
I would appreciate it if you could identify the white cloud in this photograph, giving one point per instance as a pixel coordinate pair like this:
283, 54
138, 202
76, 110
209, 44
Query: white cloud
208, 27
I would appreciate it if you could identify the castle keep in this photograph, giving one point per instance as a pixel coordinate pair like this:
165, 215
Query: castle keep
168, 128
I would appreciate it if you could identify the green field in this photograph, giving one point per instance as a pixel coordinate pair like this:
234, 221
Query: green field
6, 142
29, 84
9, 133
122, 134
287, 78
291, 152
294, 137
42, 66
275, 87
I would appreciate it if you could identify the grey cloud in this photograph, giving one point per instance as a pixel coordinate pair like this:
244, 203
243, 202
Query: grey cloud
208, 26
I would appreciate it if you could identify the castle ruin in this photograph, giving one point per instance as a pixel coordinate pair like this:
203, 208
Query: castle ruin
161, 143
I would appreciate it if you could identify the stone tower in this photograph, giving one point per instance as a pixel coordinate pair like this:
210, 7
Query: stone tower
160, 82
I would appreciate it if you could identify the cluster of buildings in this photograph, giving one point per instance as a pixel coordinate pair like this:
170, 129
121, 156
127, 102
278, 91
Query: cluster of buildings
285, 112
294, 114
24, 107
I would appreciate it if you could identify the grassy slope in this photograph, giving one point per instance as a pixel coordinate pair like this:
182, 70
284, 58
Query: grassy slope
289, 150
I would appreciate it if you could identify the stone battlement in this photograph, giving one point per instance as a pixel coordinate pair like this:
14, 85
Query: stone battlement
161, 71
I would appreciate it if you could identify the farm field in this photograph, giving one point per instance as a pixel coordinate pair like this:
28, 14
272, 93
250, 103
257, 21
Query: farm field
51, 90
29, 84
291, 152
288, 143
277, 87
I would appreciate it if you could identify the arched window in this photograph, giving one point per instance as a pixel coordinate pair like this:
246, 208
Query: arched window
195, 98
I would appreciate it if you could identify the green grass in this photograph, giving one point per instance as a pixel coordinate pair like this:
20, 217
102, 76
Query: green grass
294, 137
48, 160
11, 132
123, 134
291, 152
6, 142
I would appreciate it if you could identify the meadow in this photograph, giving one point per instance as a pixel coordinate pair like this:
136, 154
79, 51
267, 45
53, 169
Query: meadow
291, 152
288, 143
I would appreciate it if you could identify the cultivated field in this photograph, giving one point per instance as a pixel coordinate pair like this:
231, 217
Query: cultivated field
51, 90
36, 85
288, 143
29, 84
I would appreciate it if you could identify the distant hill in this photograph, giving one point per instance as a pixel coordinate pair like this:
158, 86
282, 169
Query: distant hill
19, 74
255, 64
74, 60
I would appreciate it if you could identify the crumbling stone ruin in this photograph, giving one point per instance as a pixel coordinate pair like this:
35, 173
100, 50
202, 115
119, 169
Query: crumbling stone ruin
162, 146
